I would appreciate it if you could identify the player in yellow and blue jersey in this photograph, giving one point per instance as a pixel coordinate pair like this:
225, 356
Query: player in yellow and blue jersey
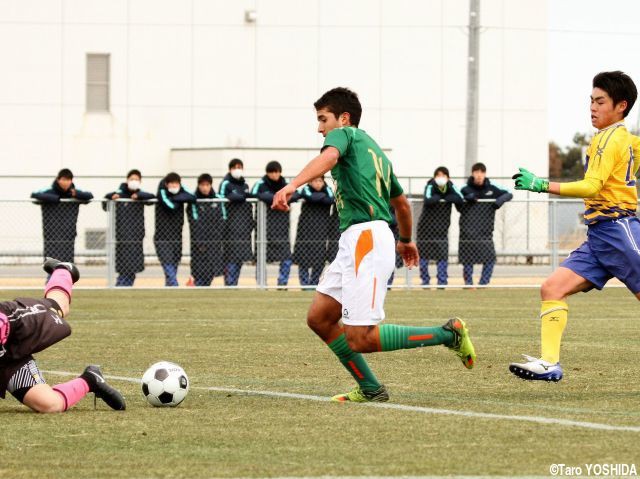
612, 248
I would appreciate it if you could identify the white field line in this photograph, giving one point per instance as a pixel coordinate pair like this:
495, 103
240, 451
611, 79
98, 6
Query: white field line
399, 407
408, 477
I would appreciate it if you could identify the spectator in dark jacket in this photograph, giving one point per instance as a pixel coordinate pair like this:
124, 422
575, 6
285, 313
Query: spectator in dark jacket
434, 222
129, 227
311, 236
278, 222
169, 221
59, 219
205, 224
477, 221
238, 221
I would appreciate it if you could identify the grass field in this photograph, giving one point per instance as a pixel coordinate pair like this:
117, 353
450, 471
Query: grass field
258, 341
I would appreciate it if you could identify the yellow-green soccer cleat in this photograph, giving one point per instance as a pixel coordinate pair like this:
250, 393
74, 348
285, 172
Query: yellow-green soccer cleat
358, 395
462, 344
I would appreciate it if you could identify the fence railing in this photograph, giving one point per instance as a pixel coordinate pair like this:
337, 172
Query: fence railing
214, 242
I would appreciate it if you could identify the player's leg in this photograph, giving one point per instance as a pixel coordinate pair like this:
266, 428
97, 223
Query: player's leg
581, 271
324, 319
29, 387
363, 305
62, 276
554, 310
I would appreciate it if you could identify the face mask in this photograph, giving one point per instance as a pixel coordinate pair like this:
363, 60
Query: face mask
174, 191
237, 173
441, 181
133, 185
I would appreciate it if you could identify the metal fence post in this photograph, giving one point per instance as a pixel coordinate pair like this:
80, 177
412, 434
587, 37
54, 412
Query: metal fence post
528, 221
554, 234
111, 243
408, 275
261, 244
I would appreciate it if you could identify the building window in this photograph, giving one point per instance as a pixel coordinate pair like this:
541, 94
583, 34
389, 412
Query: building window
97, 82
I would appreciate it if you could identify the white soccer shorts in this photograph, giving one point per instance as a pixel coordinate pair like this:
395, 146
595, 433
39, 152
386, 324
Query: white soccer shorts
358, 277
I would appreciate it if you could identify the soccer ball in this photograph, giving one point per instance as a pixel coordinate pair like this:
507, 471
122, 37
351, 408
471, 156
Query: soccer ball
165, 384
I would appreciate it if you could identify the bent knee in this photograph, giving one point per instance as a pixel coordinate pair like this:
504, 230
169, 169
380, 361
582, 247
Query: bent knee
552, 290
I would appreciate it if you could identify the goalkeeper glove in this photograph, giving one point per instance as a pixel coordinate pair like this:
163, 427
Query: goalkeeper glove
525, 180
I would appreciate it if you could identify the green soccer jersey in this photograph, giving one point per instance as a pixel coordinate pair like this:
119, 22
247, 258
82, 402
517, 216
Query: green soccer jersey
363, 177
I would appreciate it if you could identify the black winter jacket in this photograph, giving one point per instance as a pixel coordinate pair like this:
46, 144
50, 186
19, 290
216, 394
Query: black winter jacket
435, 219
313, 227
278, 222
477, 221
205, 225
169, 221
129, 228
59, 219
238, 220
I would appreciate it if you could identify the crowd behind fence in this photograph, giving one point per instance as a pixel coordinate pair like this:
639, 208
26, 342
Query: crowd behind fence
214, 247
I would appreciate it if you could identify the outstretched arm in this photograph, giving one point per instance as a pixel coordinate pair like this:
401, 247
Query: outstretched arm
587, 188
316, 167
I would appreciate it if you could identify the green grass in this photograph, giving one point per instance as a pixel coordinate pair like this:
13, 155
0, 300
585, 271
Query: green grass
258, 340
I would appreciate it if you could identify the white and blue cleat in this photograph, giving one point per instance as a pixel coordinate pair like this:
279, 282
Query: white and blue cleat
535, 369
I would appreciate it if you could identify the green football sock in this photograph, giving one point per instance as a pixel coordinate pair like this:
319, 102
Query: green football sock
394, 337
354, 363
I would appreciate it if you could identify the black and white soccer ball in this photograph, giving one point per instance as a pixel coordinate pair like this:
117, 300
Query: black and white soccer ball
165, 384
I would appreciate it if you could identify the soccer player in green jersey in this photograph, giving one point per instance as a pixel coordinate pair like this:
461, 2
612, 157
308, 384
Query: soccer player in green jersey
347, 308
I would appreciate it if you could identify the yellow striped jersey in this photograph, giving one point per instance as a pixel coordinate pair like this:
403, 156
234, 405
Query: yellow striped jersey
613, 157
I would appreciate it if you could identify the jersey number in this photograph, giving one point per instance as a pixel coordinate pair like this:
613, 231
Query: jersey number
380, 177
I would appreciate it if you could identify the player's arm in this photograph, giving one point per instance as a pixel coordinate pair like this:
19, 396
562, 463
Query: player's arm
406, 247
587, 188
316, 167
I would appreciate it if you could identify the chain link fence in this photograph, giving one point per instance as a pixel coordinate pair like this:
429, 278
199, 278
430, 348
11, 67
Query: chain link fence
221, 244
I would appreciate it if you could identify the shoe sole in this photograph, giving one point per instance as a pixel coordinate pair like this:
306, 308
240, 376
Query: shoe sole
552, 376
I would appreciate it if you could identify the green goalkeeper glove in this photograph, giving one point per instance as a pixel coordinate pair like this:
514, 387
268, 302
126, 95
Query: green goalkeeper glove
525, 180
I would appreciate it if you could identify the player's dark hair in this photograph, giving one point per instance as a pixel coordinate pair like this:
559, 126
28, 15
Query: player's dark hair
205, 178
235, 162
619, 86
441, 169
479, 167
172, 177
341, 100
65, 173
273, 167
134, 172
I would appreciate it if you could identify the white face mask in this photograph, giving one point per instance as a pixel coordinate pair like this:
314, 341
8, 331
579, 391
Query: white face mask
441, 181
236, 173
174, 191
133, 185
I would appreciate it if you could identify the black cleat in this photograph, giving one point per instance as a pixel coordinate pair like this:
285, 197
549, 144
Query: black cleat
99, 387
51, 264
